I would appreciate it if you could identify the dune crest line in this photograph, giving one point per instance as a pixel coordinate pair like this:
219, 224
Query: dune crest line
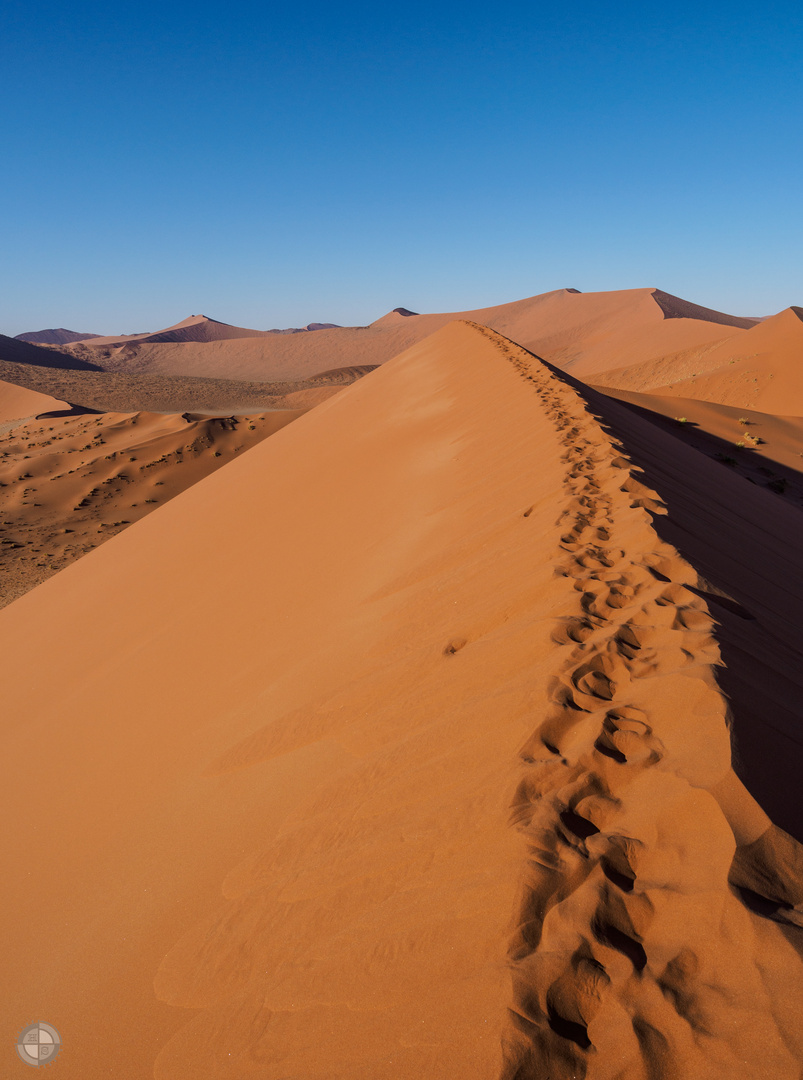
282, 723
625, 959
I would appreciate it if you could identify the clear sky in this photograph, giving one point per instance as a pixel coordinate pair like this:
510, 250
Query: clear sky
272, 164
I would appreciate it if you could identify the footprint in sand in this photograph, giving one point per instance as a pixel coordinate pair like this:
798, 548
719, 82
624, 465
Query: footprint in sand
626, 737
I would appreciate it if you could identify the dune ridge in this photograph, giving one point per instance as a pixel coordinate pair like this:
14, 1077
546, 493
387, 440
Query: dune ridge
458, 720
633, 814
71, 480
675, 308
757, 369
742, 538
586, 332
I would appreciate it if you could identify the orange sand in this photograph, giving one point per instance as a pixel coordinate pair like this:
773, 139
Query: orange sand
70, 482
759, 369
586, 332
18, 403
397, 740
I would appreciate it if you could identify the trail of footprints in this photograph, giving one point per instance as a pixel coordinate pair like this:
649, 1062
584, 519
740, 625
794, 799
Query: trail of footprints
630, 622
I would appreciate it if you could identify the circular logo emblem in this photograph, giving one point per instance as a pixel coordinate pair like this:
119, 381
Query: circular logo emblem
38, 1044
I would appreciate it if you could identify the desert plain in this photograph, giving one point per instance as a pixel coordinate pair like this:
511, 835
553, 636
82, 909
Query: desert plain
414, 700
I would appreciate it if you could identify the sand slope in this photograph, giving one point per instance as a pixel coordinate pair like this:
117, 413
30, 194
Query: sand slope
17, 403
58, 336
588, 332
743, 539
193, 328
765, 448
760, 369
23, 352
70, 482
409, 696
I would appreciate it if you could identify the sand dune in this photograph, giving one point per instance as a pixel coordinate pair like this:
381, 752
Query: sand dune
58, 336
23, 352
193, 328
760, 369
585, 332
196, 328
766, 449
18, 403
407, 699
394, 317
589, 333
69, 483
742, 539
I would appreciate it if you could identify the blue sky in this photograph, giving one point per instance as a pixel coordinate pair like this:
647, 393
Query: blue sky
270, 164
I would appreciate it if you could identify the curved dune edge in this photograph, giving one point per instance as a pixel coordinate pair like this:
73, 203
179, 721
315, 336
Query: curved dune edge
415, 686
18, 403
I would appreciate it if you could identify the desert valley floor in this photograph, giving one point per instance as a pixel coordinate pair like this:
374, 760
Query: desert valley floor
419, 700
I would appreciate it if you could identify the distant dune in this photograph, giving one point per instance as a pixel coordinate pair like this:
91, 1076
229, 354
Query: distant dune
197, 328
585, 332
394, 317
131, 392
17, 403
23, 352
53, 337
759, 369
194, 328
675, 308
450, 732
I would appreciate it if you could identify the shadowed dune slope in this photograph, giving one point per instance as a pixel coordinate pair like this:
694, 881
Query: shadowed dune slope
745, 543
751, 442
406, 699
759, 369
23, 352
58, 336
589, 332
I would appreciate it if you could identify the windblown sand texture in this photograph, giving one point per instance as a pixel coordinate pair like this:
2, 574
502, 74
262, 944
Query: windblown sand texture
397, 748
